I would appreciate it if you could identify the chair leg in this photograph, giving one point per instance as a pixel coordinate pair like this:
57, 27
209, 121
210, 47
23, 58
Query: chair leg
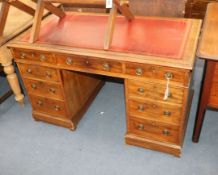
37, 21
3, 16
110, 28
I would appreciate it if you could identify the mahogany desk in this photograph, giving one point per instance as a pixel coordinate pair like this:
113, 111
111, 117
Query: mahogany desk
208, 50
155, 57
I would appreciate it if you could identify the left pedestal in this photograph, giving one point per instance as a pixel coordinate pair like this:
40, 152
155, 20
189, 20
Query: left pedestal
57, 96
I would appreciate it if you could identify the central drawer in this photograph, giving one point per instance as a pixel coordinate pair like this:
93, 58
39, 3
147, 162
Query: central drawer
89, 63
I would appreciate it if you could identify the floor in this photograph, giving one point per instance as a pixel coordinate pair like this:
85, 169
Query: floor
97, 147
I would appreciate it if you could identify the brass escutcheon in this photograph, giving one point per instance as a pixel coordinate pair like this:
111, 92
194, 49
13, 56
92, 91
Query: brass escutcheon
22, 55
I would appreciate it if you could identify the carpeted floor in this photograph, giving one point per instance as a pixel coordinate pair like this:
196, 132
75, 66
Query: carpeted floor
97, 147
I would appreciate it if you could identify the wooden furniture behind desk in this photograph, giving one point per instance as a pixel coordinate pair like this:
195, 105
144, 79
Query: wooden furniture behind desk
196, 8
208, 50
53, 66
167, 8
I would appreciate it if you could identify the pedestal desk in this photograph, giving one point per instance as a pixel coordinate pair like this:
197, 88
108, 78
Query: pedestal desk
208, 50
155, 56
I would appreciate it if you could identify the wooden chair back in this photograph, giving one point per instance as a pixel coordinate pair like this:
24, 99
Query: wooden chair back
117, 5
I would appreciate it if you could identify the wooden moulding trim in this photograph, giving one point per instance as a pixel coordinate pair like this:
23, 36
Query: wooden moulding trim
53, 120
153, 145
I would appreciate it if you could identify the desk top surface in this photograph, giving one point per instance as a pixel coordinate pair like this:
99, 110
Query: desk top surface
208, 46
156, 40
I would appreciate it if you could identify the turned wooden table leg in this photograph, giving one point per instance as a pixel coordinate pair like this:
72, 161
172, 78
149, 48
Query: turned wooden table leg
204, 97
13, 82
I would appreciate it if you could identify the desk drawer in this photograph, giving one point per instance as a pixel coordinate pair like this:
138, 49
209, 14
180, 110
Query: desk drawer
155, 111
41, 88
89, 63
159, 73
34, 56
48, 106
39, 72
154, 130
139, 89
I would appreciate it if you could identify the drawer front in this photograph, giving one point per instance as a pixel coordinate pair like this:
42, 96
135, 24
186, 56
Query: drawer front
34, 56
48, 106
89, 63
39, 72
154, 92
153, 130
159, 73
155, 111
41, 88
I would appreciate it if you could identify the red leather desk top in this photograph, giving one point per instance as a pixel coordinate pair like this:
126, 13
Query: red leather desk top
146, 36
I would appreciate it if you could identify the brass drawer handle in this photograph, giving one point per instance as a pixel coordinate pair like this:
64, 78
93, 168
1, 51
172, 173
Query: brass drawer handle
48, 74
169, 75
39, 103
106, 67
69, 61
141, 108
167, 113
139, 71
29, 71
57, 108
166, 132
153, 70
52, 90
33, 86
42, 57
22, 55
141, 127
141, 90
